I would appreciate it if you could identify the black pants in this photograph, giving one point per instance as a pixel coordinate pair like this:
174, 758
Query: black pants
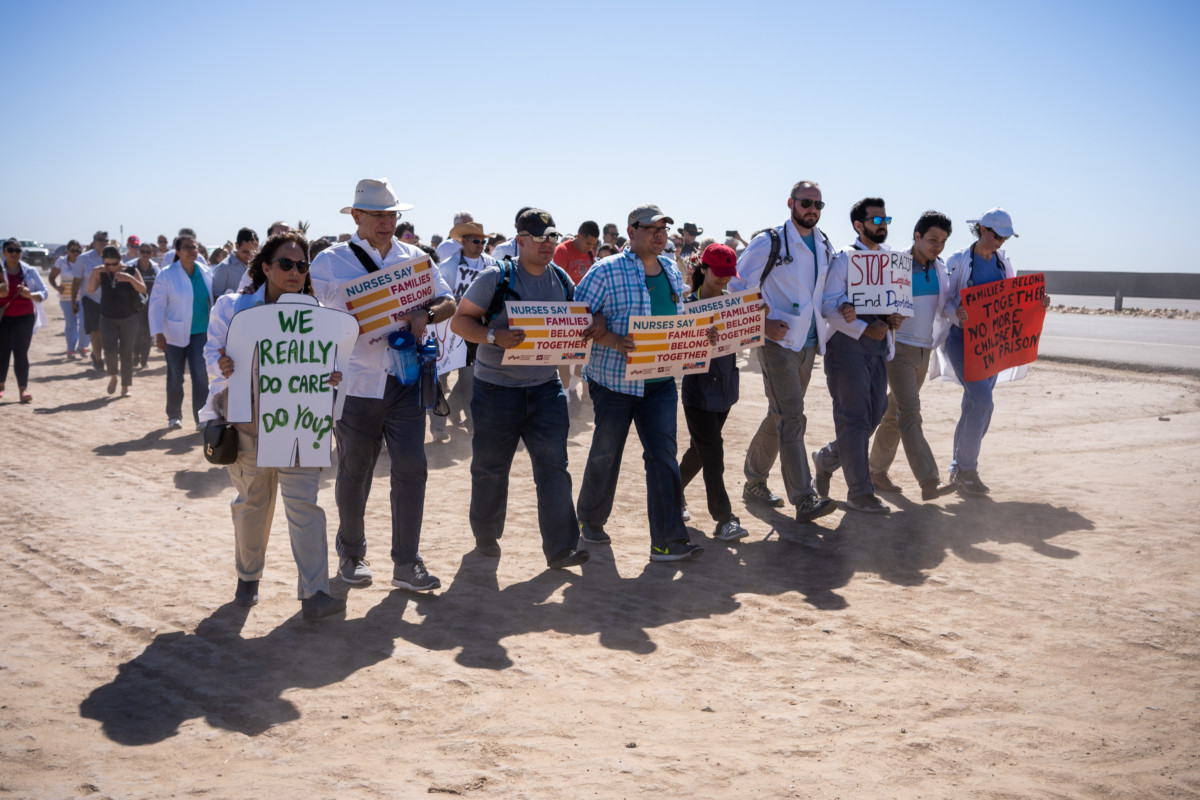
707, 452
15, 335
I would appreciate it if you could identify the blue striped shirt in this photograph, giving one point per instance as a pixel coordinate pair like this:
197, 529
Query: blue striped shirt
616, 287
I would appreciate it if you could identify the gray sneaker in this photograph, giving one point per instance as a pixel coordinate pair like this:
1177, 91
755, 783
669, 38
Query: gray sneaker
968, 481
867, 504
730, 530
355, 571
414, 577
813, 507
821, 478
758, 492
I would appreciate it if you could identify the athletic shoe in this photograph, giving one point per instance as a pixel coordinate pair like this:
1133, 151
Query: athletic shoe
884, 483
71, 355
821, 478
968, 481
730, 530
321, 605
593, 534
758, 492
867, 504
414, 577
247, 593
355, 571
568, 558
487, 546
813, 507
678, 550
687, 515
935, 489
172, 424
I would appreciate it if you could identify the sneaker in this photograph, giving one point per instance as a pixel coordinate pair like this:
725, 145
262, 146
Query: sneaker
247, 593
968, 481
884, 483
414, 577
593, 534
487, 546
678, 550
687, 515
867, 504
441, 435
83, 351
172, 424
568, 558
200, 426
355, 571
730, 530
813, 507
71, 355
758, 492
321, 605
932, 490
821, 477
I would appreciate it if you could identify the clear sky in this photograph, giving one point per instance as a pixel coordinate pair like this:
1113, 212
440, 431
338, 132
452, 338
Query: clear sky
1081, 119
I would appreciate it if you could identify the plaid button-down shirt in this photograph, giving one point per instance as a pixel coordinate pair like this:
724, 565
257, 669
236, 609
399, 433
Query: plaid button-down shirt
616, 287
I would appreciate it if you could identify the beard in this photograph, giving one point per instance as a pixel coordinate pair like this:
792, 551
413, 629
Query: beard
806, 217
879, 236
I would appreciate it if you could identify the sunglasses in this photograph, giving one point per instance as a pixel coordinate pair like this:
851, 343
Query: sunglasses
145, 252
75, 250
549, 237
286, 264
475, 241
806, 203
12, 249
998, 236
879, 220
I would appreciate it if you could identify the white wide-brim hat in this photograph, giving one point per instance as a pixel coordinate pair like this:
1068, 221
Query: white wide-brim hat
375, 195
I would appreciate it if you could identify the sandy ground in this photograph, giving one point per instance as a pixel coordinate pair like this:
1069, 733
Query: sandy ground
1042, 642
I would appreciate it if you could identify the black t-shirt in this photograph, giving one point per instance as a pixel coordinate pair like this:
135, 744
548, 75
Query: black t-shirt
118, 300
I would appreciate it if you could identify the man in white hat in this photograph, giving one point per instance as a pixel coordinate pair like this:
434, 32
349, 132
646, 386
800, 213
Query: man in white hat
378, 407
450, 247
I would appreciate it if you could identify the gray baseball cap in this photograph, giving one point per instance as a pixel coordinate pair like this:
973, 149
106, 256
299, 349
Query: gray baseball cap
648, 214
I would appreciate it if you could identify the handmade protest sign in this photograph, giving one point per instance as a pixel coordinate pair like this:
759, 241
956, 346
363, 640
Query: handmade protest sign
379, 299
1004, 324
283, 353
666, 346
739, 320
553, 332
880, 282
452, 349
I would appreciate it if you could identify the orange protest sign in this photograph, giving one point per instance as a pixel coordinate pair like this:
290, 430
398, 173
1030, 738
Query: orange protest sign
1004, 325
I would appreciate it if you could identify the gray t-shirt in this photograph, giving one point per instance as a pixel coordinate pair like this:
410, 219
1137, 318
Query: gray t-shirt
546, 287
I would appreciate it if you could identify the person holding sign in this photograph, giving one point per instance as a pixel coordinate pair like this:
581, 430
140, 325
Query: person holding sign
519, 403
788, 265
637, 282
379, 407
707, 398
856, 357
981, 263
280, 268
916, 339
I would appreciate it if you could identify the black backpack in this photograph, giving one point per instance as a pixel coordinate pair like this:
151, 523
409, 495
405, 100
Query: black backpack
504, 292
773, 258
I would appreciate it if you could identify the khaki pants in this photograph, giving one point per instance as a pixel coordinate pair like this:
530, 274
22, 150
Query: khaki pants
902, 422
785, 380
254, 506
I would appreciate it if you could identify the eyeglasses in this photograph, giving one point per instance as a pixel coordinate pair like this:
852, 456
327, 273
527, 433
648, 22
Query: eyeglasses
807, 203
146, 251
112, 263
188, 247
655, 230
12, 249
549, 237
286, 264
879, 220
75, 250
475, 241
392, 215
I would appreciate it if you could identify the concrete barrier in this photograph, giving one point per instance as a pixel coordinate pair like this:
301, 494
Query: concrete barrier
1170, 285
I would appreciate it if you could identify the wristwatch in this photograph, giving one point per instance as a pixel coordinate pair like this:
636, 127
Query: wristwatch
430, 315
491, 339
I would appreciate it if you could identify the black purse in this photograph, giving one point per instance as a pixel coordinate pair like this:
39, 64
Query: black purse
220, 442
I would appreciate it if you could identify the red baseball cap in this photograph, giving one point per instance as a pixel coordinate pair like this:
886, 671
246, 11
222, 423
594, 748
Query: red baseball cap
133, 241
721, 260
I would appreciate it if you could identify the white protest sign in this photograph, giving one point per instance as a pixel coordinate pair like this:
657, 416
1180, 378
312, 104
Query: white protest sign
667, 346
283, 353
452, 349
553, 332
880, 282
379, 299
739, 320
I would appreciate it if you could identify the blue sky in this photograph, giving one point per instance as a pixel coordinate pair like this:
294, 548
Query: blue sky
1080, 119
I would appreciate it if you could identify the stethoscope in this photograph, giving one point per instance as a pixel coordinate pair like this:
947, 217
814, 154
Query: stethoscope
971, 275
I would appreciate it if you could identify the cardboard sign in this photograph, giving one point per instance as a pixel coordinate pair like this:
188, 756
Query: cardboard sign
1004, 324
880, 282
739, 320
668, 346
379, 299
452, 348
553, 332
283, 353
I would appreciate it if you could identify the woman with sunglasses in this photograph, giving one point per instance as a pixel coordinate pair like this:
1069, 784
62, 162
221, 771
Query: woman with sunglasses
65, 266
21, 296
280, 267
982, 262
121, 292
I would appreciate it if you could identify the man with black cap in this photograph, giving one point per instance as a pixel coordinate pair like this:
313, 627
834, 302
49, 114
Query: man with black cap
639, 281
690, 246
517, 403
379, 407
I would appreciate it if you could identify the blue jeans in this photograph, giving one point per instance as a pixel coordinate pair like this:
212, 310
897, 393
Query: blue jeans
192, 357
976, 408
856, 373
399, 419
73, 326
536, 415
654, 414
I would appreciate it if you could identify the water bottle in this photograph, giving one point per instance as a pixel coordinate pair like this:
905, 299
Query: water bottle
427, 355
402, 349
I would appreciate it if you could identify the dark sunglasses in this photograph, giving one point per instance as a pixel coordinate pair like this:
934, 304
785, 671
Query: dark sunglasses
475, 241
75, 250
12, 249
286, 264
806, 203
879, 220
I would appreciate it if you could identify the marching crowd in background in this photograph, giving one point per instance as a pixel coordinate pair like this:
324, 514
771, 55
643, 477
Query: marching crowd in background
177, 296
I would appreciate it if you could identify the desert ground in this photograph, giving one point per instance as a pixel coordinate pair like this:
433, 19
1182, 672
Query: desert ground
1042, 642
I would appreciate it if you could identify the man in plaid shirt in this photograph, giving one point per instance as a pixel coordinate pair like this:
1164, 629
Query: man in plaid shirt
637, 282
